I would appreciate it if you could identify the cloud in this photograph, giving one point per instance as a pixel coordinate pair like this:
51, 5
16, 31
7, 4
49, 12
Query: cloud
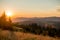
58, 10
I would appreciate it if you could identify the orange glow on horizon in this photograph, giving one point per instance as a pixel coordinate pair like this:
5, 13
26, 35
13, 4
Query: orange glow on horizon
31, 14
36, 14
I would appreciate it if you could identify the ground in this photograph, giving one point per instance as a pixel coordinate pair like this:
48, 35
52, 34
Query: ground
10, 35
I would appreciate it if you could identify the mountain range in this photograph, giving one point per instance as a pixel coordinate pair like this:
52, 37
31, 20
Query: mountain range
36, 19
40, 21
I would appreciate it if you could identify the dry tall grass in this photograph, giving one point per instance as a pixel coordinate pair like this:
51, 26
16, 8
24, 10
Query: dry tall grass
8, 35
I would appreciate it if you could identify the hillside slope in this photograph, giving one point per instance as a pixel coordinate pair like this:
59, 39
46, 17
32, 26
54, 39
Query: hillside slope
10, 35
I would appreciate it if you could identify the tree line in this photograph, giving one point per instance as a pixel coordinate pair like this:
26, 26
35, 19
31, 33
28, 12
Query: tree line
38, 29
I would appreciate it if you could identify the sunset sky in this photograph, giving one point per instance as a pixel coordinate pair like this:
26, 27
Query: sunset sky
31, 8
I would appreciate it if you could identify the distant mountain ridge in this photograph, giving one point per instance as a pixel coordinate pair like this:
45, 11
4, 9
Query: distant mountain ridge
40, 21
21, 19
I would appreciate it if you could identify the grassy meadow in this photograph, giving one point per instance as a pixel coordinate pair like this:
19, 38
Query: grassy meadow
13, 35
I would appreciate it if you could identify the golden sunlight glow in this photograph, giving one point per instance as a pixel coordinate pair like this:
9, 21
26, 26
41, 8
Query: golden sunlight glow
9, 13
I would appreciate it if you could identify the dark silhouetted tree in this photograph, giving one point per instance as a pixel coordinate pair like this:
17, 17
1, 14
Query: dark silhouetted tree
4, 24
3, 20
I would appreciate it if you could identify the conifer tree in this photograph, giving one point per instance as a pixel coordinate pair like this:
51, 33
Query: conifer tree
4, 23
3, 20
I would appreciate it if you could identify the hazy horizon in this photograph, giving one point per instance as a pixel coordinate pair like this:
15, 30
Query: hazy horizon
31, 8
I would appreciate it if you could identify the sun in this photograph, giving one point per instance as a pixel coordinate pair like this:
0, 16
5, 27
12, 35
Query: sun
8, 13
